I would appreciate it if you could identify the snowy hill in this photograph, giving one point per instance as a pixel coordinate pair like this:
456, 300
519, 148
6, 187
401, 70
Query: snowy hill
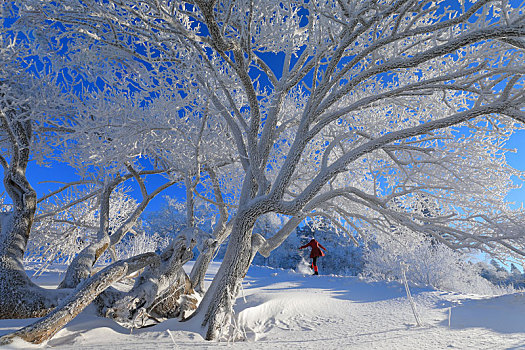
281, 309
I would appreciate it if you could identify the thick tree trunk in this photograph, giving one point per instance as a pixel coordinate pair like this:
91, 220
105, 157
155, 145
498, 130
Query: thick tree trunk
220, 298
20, 297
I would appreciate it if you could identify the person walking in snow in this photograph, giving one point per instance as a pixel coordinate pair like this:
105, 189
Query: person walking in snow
314, 253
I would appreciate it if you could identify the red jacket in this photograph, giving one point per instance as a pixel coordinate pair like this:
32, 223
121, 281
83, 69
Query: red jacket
316, 252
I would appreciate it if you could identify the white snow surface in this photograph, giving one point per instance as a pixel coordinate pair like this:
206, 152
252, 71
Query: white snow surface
281, 309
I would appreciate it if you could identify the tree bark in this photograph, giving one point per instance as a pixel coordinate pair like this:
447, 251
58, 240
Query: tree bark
220, 298
198, 272
210, 246
20, 297
82, 265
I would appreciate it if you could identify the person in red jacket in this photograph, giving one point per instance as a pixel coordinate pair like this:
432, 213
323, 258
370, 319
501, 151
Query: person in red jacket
315, 253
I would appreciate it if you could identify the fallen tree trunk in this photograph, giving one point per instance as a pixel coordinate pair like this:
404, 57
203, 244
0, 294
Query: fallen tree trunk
83, 295
162, 291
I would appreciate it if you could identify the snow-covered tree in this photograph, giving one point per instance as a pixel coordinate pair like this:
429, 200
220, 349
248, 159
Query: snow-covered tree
29, 106
66, 224
355, 116
357, 121
52, 111
427, 263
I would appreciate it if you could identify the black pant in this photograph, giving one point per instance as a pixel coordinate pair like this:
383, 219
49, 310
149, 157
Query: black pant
314, 261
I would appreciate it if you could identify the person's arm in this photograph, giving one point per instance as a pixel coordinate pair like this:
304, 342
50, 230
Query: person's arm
322, 246
309, 244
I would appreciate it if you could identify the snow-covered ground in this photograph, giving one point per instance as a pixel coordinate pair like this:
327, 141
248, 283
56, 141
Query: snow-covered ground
288, 310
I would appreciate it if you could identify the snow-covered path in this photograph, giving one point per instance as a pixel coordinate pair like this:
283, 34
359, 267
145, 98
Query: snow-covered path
286, 310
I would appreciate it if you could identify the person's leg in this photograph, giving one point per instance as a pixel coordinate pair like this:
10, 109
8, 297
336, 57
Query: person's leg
314, 263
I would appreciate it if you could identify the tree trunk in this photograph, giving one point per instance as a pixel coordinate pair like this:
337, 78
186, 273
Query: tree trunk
198, 272
210, 247
220, 298
20, 297
176, 301
82, 265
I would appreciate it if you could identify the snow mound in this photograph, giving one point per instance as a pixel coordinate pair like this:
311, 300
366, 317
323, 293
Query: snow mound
288, 312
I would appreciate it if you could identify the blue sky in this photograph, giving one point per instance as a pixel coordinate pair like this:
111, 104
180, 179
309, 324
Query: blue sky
43, 179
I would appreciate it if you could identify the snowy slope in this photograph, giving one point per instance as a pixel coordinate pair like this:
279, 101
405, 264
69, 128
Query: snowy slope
287, 310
